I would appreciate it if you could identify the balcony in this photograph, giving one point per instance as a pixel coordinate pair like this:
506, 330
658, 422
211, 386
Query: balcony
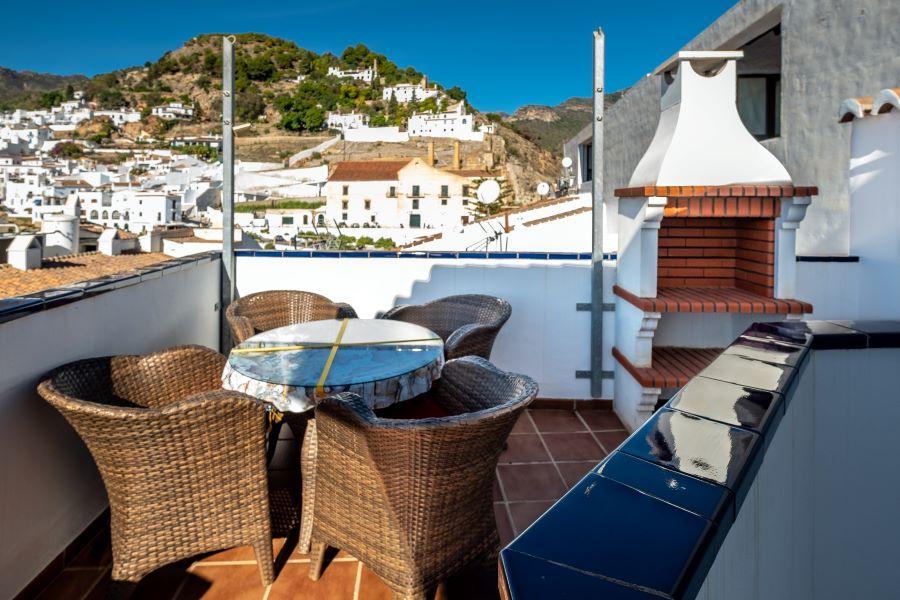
826, 430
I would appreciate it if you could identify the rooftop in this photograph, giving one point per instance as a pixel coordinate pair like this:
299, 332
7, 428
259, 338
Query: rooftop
368, 170
63, 270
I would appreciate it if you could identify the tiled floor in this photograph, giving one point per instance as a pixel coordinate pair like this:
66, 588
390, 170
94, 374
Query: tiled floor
548, 452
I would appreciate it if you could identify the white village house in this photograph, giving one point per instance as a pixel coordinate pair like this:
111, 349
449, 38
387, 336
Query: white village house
343, 122
173, 110
398, 193
368, 75
405, 93
453, 123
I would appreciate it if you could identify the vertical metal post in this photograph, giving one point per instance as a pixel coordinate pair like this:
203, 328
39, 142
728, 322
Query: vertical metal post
598, 210
228, 261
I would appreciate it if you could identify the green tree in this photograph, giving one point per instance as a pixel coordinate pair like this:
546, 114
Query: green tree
249, 106
456, 93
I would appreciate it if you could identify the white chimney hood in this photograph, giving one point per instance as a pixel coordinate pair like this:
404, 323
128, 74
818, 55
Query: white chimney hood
700, 139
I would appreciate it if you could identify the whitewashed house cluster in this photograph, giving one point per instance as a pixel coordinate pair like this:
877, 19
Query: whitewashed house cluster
173, 111
455, 123
404, 93
345, 121
367, 75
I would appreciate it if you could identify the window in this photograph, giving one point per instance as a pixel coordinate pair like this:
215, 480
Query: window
372, 219
587, 162
392, 192
344, 217
415, 191
415, 205
287, 220
159, 216
94, 215
445, 191
443, 202
306, 219
321, 220
465, 201
465, 190
346, 190
344, 204
368, 204
105, 214
415, 221
116, 215
759, 104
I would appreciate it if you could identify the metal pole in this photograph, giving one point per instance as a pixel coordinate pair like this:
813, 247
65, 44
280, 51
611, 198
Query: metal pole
598, 209
228, 262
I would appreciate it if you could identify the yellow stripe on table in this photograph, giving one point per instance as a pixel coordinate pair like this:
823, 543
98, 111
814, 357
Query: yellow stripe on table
320, 387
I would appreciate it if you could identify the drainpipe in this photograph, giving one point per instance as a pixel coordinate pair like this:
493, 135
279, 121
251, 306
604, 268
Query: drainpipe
228, 261
597, 233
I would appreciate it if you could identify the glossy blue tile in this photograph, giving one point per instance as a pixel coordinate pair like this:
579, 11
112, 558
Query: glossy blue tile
533, 255
728, 403
881, 334
325, 254
563, 256
823, 335
473, 255
441, 254
18, 304
56, 297
608, 529
502, 255
586, 256
700, 497
244, 253
695, 446
382, 254
413, 255
354, 254
770, 351
749, 372
529, 578
774, 331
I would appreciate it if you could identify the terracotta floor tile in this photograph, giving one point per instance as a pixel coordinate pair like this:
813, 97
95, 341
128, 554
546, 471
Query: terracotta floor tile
599, 420
496, 491
556, 420
525, 513
97, 552
71, 585
610, 440
572, 472
504, 527
573, 446
371, 587
234, 582
337, 582
523, 424
239, 553
531, 482
523, 448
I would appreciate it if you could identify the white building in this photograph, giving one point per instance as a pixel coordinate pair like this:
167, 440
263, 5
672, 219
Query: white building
397, 193
121, 116
343, 122
453, 123
367, 75
130, 209
173, 110
405, 93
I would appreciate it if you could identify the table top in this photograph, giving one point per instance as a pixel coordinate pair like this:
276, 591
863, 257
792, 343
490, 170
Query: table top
369, 350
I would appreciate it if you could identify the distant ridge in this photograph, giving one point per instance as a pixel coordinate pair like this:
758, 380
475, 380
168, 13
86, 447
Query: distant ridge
18, 86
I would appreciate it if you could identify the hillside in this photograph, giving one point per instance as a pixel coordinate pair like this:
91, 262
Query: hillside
24, 88
285, 91
550, 126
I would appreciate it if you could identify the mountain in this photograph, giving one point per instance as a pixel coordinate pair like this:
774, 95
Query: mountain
550, 126
21, 88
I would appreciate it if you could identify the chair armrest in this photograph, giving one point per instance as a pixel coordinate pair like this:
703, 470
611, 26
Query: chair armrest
241, 328
345, 311
473, 339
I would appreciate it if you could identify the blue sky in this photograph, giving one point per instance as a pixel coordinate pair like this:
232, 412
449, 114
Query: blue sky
504, 53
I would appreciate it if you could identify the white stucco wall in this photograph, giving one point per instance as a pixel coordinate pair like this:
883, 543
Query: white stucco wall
50, 490
546, 337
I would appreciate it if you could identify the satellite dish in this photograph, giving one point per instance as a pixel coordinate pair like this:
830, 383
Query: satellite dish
566, 162
488, 191
543, 188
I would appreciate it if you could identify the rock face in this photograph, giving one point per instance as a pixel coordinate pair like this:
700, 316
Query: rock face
550, 126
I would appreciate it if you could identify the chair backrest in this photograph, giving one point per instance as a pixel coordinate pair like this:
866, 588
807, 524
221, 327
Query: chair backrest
278, 308
446, 315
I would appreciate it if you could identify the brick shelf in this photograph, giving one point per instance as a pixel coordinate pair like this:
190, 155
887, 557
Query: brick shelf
671, 367
713, 300
734, 191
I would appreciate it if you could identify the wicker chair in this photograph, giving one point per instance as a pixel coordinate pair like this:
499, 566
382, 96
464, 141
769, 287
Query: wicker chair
262, 311
412, 499
182, 460
468, 324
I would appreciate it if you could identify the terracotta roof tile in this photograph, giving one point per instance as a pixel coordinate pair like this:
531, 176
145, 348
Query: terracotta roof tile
368, 170
63, 270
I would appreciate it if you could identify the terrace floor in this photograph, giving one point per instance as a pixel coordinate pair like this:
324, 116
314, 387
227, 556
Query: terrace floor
549, 450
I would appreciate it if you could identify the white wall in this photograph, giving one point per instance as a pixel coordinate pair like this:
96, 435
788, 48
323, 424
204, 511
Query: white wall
546, 338
376, 134
820, 519
51, 490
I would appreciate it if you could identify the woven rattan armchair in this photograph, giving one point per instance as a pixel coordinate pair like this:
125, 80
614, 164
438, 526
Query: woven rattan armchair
183, 460
263, 311
468, 323
412, 499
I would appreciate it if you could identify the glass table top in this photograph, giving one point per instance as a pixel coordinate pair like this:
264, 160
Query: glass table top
369, 350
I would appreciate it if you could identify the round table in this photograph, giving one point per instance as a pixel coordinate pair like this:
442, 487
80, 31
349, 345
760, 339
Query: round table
292, 367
